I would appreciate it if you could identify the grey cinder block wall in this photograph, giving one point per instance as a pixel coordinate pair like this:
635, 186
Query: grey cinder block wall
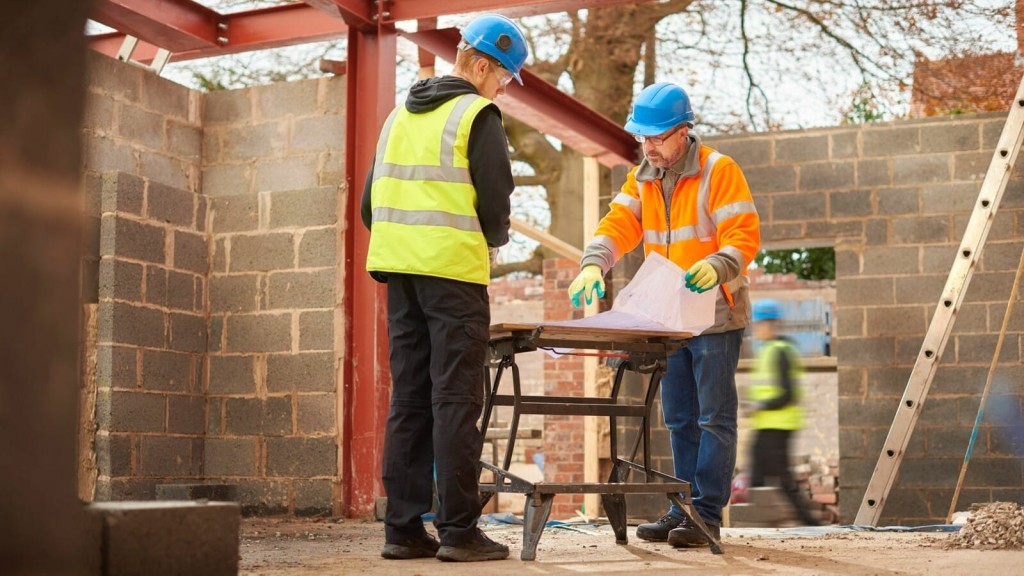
225, 370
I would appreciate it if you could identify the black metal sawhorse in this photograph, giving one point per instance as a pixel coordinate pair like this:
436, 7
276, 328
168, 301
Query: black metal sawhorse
646, 353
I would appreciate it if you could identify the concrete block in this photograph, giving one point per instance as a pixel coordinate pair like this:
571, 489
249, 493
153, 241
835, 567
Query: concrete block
114, 455
121, 323
897, 320
202, 206
900, 260
156, 285
226, 180
117, 367
745, 151
185, 141
317, 133
318, 248
122, 192
140, 126
849, 322
120, 280
186, 414
921, 289
124, 411
309, 372
171, 170
833, 230
315, 414
286, 99
170, 205
164, 96
799, 149
169, 538
332, 170
304, 208
230, 457
165, 371
312, 497
971, 166
800, 207
258, 417
316, 330
886, 141
332, 94
991, 130
301, 457
102, 154
212, 492
921, 169
876, 231
245, 143
921, 230
826, 176
181, 291
874, 172
850, 204
947, 198
289, 173
236, 213
893, 201
99, 112
843, 145
233, 292
231, 375
262, 252
950, 138
258, 333
191, 252
131, 239
770, 179
313, 289
165, 457
866, 352
263, 497
227, 106
187, 332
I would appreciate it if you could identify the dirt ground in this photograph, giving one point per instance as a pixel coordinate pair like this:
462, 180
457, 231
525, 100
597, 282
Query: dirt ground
290, 547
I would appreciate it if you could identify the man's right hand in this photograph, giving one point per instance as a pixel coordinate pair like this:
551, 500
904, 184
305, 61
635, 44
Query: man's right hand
589, 281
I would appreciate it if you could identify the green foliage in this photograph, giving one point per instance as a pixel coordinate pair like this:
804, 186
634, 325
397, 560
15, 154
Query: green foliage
864, 108
806, 263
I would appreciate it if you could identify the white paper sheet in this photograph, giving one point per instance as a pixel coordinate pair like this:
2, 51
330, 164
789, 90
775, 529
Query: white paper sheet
656, 299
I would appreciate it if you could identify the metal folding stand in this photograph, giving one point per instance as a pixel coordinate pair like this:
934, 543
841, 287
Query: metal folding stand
646, 353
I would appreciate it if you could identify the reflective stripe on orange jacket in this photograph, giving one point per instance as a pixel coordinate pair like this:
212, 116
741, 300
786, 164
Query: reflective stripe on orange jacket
712, 217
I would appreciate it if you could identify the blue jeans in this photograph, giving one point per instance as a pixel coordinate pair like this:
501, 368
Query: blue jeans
698, 397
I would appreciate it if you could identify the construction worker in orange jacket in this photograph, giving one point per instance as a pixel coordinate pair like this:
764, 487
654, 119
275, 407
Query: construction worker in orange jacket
691, 204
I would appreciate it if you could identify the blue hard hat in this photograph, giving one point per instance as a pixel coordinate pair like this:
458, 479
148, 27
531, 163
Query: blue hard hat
766, 310
499, 38
659, 108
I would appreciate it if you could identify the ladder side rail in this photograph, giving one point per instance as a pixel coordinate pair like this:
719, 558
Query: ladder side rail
989, 197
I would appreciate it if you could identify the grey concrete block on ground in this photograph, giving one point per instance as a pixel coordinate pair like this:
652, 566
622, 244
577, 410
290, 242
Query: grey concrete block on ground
213, 492
169, 538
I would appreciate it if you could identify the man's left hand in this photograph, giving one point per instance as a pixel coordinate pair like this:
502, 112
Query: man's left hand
701, 277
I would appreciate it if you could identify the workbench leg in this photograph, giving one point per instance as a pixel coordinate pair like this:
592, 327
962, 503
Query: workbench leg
615, 509
691, 512
535, 517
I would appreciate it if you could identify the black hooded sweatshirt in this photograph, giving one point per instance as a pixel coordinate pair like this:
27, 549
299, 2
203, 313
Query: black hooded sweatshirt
489, 164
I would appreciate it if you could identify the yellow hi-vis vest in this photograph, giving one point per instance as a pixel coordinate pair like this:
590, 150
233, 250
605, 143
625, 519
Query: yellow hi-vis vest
765, 387
422, 196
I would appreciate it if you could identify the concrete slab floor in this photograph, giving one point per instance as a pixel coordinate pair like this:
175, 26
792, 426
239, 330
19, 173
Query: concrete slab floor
289, 547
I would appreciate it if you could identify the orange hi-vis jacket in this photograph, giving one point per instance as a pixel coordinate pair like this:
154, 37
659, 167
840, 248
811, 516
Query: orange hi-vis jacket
712, 216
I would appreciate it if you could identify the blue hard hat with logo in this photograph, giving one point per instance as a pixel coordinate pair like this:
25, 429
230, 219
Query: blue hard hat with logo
499, 38
766, 310
659, 108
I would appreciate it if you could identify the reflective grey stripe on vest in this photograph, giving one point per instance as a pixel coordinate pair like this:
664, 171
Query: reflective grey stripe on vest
628, 201
730, 210
426, 218
446, 171
705, 225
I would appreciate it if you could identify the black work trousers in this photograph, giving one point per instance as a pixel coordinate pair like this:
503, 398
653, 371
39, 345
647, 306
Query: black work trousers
438, 331
771, 468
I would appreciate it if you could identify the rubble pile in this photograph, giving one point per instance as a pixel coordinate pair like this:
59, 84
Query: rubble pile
996, 525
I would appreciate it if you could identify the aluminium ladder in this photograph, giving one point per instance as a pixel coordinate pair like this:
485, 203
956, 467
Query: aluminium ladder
991, 193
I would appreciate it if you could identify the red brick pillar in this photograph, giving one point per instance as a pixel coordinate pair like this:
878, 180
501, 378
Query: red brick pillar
563, 435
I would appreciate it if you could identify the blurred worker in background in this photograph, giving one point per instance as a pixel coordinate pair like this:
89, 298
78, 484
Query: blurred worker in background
774, 397
437, 205
692, 205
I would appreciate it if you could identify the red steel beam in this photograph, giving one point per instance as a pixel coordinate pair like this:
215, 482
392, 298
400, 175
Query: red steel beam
366, 377
548, 109
177, 25
274, 27
418, 9
357, 13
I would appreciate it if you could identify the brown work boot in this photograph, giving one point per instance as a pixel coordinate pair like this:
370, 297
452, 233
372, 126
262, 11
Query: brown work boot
658, 530
476, 549
423, 546
688, 536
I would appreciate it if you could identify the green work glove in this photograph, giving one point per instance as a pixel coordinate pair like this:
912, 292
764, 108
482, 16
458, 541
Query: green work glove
701, 277
590, 280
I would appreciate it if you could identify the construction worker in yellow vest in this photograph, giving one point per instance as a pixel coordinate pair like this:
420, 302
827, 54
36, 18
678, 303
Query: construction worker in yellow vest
775, 397
437, 205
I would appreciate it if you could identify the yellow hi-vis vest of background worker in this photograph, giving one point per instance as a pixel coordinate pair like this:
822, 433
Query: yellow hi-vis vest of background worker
423, 199
765, 387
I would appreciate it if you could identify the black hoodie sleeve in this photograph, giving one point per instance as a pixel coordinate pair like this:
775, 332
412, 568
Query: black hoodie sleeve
491, 171
364, 205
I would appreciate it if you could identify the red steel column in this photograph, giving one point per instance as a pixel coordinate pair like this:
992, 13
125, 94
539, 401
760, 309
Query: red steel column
366, 379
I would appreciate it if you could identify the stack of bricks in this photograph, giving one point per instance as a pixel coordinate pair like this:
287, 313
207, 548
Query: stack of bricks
767, 507
818, 479
563, 435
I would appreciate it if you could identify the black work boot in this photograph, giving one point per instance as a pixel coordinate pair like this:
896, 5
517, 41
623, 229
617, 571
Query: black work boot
688, 536
422, 546
477, 548
658, 531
